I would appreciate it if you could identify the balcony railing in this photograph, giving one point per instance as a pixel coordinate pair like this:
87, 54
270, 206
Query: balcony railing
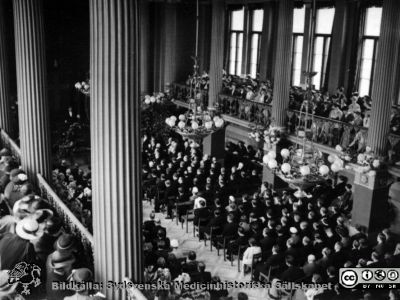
182, 92
248, 110
327, 131
8, 143
71, 223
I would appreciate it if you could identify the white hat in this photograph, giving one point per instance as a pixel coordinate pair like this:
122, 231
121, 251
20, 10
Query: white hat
293, 230
174, 243
29, 229
22, 177
195, 190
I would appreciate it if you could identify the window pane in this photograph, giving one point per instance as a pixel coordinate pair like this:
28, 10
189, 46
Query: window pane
368, 49
325, 59
367, 65
254, 49
373, 18
237, 19
364, 87
296, 59
232, 54
258, 15
299, 15
317, 61
366, 68
324, 20
239, 54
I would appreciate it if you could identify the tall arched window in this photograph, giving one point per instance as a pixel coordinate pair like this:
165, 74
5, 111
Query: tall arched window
245, 29
371, 32
298, 37
322, 40
236, 32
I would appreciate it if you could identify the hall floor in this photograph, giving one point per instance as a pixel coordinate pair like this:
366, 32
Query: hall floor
214, 263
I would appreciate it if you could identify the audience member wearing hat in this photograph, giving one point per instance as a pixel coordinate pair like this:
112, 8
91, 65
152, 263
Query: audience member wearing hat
80, 276
59, 266
66, 243
17, 188
52, 231
25, 206
5, 178
18, 247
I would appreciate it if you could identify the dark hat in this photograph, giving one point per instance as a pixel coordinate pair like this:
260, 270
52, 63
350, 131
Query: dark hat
79, 276
61, 259
66, 242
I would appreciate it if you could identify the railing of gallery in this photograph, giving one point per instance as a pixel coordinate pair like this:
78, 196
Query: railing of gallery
71, 223
327, 131
8, 143
183, 92
248, 110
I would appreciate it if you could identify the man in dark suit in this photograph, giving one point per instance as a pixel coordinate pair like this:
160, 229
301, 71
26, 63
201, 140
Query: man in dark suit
237, 243
170, 194
275, 259
183, 202
191, 265
201, 276
311, 266
149, 227
230, 228
340, 187
293, 272
267, 242
201, 215
216, 222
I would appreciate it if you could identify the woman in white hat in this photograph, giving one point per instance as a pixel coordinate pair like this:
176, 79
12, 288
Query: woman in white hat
18, 247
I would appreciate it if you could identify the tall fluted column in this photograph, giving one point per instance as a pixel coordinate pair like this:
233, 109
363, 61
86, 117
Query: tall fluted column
217, 50
268, 41
33, 108
5, 116
144, 47
383, 77
280, 100
337, 68
115, 141
170, 17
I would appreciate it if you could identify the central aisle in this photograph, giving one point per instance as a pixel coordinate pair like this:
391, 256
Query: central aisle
214, 263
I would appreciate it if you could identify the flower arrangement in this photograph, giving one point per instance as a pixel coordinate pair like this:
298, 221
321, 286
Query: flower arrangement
368, 162
83, 87
155, 98
270, 136
339, 161
292, 169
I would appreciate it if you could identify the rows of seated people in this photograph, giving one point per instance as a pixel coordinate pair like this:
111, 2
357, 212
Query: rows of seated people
165, 261
176, 173
298, 238
32, 238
